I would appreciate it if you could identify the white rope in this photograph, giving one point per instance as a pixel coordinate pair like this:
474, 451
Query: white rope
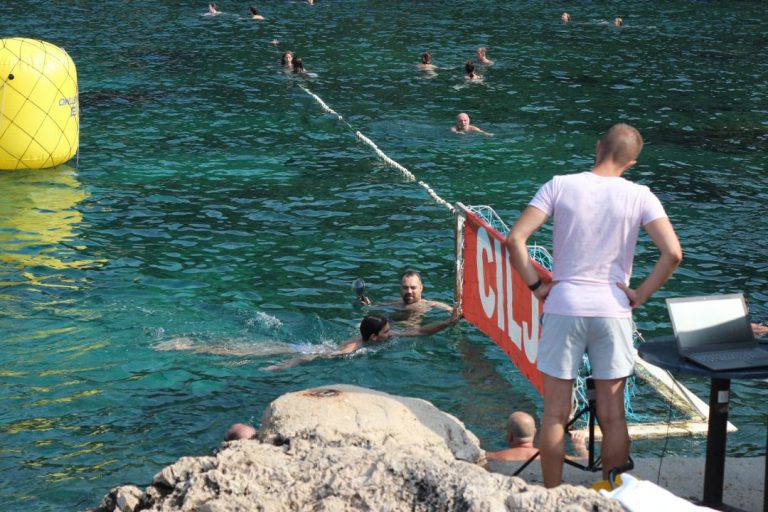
365, 140
437, 198
387, 160
326, 107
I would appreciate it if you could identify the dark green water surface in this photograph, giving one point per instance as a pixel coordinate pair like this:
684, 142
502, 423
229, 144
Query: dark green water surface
215, 204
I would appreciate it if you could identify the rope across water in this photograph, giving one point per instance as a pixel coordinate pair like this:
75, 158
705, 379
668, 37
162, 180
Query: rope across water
409, 176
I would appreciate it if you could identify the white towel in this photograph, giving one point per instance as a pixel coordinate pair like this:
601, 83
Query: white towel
645, 496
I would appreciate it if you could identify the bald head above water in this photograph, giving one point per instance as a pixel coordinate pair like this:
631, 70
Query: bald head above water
521, 425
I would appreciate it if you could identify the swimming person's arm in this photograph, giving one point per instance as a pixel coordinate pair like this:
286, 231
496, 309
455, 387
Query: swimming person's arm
429, 329
347, 348
478, 130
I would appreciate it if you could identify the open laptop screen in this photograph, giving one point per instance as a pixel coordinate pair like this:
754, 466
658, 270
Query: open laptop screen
710, 321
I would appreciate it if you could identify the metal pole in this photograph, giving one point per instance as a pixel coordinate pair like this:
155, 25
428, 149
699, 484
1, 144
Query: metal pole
714, 467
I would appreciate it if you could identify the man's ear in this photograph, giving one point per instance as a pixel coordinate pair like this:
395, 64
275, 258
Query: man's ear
628, 165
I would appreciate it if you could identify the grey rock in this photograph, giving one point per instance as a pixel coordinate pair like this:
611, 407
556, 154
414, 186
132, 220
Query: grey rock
344, 448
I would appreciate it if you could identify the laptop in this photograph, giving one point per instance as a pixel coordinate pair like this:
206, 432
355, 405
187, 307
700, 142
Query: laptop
714, 331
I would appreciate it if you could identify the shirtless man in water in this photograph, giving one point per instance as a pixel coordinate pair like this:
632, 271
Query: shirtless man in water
464, 125
521, 431
412, 306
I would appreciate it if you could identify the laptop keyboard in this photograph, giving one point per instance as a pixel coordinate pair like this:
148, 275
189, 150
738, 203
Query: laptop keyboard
731, 355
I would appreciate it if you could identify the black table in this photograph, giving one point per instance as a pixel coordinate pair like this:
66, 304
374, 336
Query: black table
662, 352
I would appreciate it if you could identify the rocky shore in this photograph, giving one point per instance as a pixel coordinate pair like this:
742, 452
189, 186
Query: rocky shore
346, 448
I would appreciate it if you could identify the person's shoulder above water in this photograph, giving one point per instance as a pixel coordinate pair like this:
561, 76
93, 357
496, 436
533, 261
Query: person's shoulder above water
469, 67
239, 431
298, 68
255, 13
521, 432
464, 125
482, 57
426, 62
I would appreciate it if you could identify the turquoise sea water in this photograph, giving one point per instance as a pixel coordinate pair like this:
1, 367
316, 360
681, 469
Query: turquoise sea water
215, 204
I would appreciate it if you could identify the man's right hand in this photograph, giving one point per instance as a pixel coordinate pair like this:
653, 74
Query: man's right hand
542, 292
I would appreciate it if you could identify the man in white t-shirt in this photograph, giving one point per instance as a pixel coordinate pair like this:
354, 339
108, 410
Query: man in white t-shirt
597, 217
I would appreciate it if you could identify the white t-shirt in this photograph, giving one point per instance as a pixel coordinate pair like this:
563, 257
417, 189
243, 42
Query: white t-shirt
596, 223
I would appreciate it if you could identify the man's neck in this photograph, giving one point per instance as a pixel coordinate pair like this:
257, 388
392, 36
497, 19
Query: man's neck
608, 168
522, 444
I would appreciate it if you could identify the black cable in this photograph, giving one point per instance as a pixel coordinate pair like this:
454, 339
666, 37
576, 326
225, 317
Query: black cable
666, 437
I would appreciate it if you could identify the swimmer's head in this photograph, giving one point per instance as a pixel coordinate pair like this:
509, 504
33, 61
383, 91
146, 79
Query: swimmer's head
287, 59
240, 431
411, 287
298, 65
375, 328
481, 53
426, 58
254, 11
520, 426
462, 122
469, 67
621, 144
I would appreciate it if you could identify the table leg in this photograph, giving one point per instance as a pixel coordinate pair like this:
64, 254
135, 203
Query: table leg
714, 467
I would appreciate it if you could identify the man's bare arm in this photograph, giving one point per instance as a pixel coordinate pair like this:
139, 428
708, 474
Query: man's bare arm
429, 329
663, 235
438, 304
347, 348
529, 222
474, 128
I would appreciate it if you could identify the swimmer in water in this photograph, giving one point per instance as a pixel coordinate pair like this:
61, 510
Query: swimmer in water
469, 67
412, 306
565, 17
213, 9
618, 22
426, 62
374, 330
298, 68
482, 57
255, 14
463, 125
287, 60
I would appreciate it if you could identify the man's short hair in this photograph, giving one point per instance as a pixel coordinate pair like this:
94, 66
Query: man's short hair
410, 273
372, 324
622, 143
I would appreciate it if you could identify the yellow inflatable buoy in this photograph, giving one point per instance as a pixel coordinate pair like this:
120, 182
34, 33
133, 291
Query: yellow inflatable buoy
39, 110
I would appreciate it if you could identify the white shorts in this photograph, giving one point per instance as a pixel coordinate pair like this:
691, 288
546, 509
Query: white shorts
607, 341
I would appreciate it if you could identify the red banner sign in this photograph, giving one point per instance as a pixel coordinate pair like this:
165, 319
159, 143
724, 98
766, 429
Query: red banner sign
496, 299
